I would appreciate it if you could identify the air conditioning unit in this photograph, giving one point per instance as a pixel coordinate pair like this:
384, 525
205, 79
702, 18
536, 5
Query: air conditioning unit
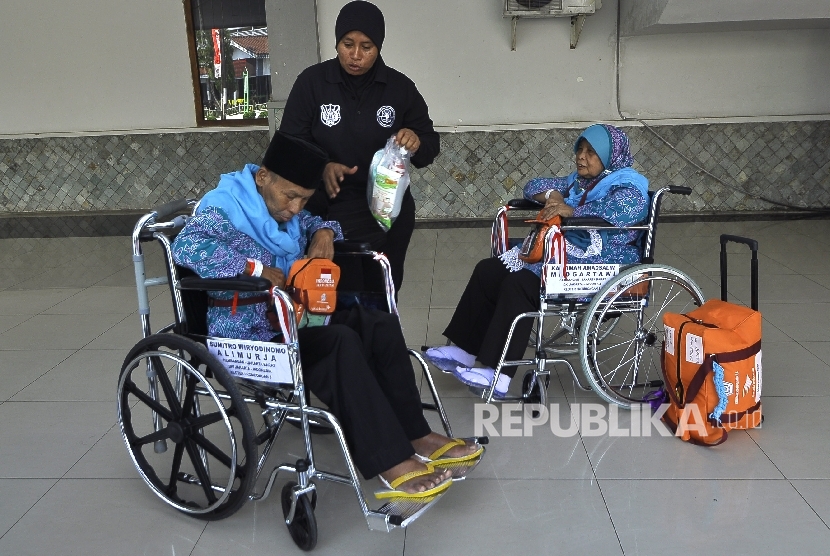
550, 8
577, 10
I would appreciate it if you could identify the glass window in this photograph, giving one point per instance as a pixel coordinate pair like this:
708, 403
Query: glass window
229, 39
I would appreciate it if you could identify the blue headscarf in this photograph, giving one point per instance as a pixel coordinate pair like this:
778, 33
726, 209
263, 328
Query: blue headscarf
611, 145
238, 197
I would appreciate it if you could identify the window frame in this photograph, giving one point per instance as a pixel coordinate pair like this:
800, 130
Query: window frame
196, 82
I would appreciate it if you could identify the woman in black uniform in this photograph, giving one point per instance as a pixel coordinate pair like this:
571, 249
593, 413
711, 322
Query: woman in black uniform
350, 106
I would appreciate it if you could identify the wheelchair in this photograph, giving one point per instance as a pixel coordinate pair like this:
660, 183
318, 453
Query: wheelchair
616, 331
188, 424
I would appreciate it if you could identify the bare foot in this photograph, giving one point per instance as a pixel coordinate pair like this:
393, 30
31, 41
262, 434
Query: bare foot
416, 484
428, 444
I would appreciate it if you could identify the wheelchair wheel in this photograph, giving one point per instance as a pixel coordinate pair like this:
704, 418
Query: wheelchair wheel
622, 362
564, 340
303, 528
186, 426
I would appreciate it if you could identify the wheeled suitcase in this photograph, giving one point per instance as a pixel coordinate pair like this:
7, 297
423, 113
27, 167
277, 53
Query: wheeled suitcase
712, 363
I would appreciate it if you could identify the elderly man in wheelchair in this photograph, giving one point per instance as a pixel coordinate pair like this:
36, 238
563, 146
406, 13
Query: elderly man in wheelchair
494, 319
358, 364
249, 230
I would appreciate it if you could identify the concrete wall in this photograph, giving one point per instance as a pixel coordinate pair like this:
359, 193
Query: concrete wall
124, 66
94, 65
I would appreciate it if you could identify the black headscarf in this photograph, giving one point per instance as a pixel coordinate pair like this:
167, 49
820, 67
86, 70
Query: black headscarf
364, 17
368, 19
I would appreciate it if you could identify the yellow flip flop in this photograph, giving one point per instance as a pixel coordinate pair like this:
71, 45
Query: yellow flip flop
437, 457
425, 496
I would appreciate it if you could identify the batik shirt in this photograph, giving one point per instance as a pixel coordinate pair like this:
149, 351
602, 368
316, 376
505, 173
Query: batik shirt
212, 247
622, 206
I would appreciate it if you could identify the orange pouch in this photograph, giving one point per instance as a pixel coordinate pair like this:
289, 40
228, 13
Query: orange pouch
533, 246
712, 371
313, 283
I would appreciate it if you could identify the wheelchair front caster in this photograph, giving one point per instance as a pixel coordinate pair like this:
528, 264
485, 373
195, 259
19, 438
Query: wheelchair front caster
532, 391
303, 526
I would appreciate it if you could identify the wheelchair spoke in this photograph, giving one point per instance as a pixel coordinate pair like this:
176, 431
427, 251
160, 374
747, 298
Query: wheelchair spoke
212, 449
204, 420
169, 392
201, 472
174, 471
189, 397
148, 401
152, 437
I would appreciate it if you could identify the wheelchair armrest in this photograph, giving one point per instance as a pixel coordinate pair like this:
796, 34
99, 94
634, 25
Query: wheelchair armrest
239, 284
347, 247
524, 204
587, 221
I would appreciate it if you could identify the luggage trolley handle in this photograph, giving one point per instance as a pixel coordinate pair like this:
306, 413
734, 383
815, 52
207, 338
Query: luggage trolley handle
753, 245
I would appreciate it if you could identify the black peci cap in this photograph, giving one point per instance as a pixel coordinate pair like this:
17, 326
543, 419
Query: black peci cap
296, 160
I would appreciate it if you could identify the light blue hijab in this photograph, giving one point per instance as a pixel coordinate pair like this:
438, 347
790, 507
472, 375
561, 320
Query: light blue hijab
238, 197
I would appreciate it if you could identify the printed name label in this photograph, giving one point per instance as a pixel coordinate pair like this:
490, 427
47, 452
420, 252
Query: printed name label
265, 361
581, 278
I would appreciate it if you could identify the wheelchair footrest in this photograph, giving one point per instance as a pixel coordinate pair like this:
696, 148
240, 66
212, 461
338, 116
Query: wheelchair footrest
400, 513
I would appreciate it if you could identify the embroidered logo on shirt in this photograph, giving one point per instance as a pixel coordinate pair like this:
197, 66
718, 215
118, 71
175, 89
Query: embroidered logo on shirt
386, 116
330, 114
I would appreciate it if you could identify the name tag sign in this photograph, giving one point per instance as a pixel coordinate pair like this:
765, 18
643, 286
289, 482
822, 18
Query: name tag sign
581, 278
265, 361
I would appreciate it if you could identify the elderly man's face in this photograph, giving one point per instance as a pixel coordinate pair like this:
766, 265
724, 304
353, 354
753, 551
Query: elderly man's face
283, 198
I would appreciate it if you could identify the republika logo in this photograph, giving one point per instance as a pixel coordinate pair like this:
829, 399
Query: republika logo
330, 114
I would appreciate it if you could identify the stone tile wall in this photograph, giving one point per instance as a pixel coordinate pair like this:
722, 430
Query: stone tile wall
74, 179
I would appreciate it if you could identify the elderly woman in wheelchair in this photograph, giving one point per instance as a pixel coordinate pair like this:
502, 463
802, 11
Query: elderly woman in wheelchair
604, 185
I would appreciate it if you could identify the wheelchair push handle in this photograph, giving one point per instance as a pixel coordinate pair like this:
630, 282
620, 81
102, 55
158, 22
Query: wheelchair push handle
753, 246
172, 207
680, 189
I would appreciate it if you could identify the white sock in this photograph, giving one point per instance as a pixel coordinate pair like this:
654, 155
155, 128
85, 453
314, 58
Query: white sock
453, 352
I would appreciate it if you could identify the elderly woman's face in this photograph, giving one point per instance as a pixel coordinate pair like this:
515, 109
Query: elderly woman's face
588, 164
357, 53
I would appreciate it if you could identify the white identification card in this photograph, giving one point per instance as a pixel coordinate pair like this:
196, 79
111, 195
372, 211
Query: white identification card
580, 279
694, 349
758, 377
669, 339
265, 361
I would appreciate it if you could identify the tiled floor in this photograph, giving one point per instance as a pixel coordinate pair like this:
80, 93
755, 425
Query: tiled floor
67, 486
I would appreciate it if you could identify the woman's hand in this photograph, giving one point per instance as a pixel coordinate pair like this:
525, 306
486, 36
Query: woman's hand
275, 276
333, 174
322, 244
555, 206
408, 139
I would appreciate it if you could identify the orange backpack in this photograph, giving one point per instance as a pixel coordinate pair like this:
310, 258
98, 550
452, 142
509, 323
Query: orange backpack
712, 365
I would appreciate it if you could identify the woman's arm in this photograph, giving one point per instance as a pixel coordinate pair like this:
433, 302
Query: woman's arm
536, 188
623, 206
417, 119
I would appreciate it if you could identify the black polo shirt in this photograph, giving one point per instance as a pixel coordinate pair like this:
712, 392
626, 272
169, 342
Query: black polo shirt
322, 109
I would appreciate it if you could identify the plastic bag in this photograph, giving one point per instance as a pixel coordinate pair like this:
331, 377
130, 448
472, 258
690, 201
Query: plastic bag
388, 180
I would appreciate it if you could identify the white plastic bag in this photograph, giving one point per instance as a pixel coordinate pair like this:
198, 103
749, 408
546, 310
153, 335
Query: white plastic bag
388, 180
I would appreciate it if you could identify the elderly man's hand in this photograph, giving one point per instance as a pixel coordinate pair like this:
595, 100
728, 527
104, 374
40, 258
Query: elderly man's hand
333, 174
275, 276
322, 244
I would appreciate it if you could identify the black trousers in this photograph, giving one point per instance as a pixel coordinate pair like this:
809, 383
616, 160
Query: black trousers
360, 274
493, 298
359, 367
